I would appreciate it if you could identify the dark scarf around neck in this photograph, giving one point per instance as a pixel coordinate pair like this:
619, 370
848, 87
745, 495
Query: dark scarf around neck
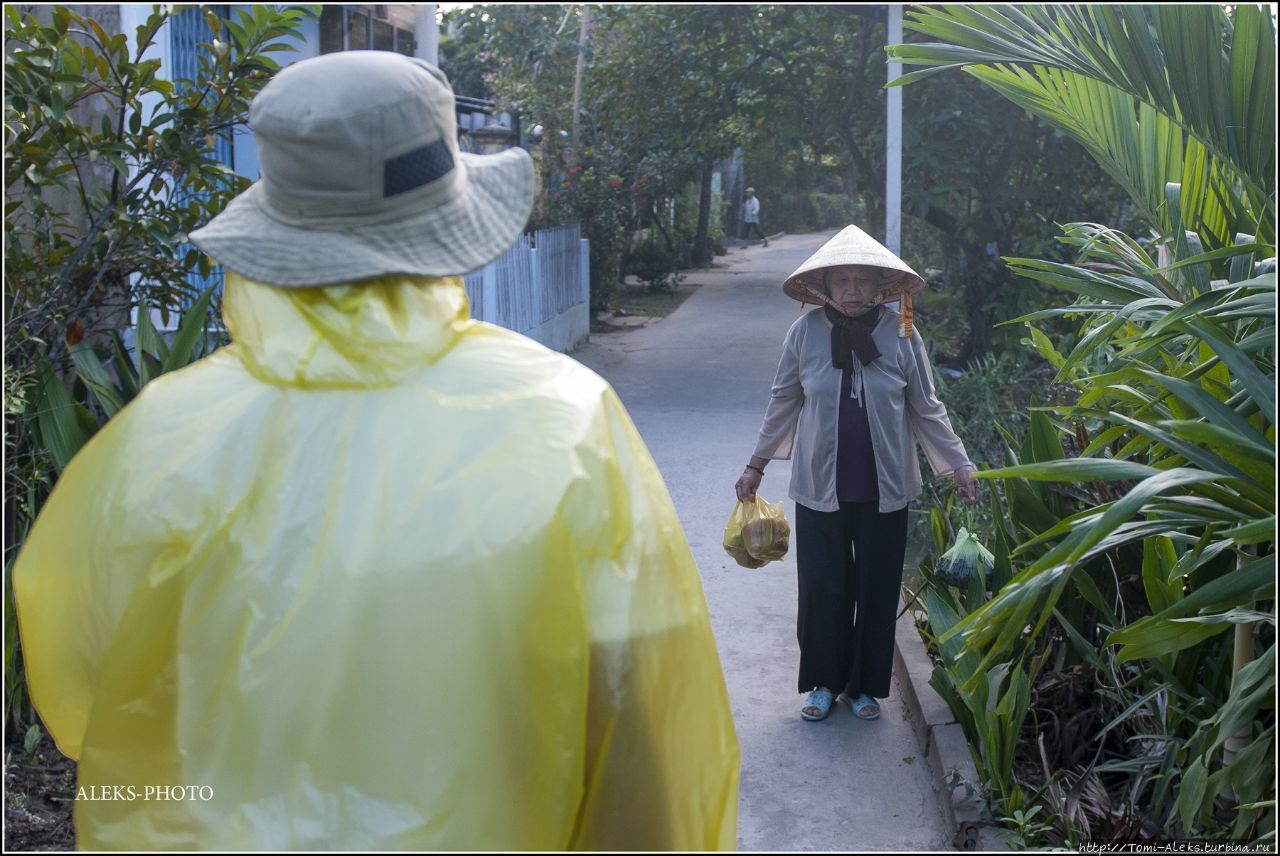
852, 336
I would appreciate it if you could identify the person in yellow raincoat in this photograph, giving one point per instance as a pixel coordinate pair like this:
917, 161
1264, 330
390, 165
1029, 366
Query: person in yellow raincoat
375, 576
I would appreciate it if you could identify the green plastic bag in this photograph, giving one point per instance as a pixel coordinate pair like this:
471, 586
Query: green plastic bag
966, 559
757, 533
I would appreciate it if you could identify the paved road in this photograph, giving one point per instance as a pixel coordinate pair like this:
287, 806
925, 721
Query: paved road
696, 385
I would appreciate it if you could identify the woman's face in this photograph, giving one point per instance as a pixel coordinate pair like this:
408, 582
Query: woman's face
855, 288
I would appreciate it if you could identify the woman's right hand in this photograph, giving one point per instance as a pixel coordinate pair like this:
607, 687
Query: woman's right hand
747, 484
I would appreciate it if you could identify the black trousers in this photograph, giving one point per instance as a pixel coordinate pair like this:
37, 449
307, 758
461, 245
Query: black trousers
746, 231
850, 572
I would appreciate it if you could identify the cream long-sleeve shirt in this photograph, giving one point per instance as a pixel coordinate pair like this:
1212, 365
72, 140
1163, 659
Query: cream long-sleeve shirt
902, 409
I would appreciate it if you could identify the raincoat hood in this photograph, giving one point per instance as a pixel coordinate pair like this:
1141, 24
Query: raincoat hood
367, 334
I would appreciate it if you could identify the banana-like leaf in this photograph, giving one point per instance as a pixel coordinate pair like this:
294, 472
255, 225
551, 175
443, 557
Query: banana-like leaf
151, 347
1026, 509
94, 375
1206, 549
1074, 470
1211, 76
1002, 568
1234, 616
1255, 460
1252, 582
64, 425
1242, 367
1211, 408
1151, 637
1038, 587
1046, 349
1089, 345
190, 328
1191, 794
1183, 510
1204, 304
1089, 591
1158, 558
941, 681
1197, 455
1258, 532
1117, 289
1253, 688
1087, 652
1242, 250
1138, 146
126, 373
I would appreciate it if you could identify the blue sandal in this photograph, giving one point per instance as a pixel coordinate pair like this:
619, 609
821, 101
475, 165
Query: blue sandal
863, 706
819, 700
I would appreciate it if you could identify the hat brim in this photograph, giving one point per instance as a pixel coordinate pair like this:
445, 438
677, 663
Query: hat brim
473, 227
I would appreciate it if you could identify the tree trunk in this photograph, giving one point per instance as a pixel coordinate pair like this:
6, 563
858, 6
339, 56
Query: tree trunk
655, 217
980, 279
701, 242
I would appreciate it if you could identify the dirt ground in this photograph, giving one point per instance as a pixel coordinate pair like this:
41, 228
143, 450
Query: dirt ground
39, 793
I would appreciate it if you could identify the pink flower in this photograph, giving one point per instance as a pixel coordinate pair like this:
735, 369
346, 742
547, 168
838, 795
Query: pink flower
615, 182
574, 170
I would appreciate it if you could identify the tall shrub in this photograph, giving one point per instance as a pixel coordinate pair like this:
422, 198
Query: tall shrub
1175, 365
108, 164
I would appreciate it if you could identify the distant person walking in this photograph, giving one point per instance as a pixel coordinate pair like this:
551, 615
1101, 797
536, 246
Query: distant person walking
751, 217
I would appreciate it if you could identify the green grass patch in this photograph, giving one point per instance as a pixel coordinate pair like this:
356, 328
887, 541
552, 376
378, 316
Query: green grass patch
641, 300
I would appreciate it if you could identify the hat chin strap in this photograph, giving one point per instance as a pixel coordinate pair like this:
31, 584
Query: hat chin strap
822, 298
836, 306
906, 315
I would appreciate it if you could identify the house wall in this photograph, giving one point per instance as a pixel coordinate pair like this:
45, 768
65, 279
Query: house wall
246, 148
563, 331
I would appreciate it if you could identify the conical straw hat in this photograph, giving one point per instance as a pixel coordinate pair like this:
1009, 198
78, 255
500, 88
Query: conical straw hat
852, 246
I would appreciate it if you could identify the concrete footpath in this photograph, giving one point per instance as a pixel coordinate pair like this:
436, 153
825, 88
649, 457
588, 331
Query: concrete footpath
696, 384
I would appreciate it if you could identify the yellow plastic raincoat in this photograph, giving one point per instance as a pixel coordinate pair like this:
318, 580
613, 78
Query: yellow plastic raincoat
376, 576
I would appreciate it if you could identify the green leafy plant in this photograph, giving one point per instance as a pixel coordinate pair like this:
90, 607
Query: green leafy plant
1171, 487
1028, 830
657, 267
104, 380
990, 705
109, 164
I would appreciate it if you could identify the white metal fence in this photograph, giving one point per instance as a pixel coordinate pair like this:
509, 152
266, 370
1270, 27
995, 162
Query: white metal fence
539, 287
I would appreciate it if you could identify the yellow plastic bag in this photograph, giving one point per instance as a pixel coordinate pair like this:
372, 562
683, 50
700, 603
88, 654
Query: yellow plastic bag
757, 533
376, 577
734, 544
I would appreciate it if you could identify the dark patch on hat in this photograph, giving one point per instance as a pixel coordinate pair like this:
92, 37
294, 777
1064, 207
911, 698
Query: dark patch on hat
416, 169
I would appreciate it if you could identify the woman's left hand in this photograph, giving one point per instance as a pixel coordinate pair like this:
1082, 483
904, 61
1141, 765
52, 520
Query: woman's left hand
967, 485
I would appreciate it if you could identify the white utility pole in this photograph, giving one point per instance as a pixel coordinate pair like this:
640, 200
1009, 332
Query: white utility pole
577, 80
426, 33
893, 143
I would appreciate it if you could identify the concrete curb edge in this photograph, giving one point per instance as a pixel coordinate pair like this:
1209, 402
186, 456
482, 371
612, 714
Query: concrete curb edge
942, 741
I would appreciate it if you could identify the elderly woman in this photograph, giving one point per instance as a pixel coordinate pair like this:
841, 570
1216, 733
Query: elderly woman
853, 395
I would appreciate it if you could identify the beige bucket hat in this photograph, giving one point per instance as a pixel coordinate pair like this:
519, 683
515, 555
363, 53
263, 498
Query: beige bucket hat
362, 178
